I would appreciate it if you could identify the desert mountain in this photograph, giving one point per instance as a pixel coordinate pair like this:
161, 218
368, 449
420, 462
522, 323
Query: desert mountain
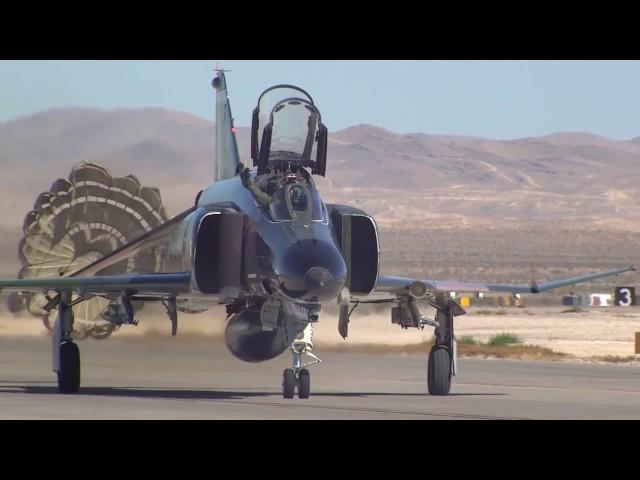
575, 176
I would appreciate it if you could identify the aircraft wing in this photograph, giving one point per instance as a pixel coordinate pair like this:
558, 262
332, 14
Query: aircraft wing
96, 278
147, 284
401, 286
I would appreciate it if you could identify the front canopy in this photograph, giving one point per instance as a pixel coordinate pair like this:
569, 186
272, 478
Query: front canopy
296, 201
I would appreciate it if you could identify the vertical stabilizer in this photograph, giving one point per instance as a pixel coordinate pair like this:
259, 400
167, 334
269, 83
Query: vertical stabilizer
227, 157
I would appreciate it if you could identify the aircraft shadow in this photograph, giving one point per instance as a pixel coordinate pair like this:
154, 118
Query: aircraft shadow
190, 394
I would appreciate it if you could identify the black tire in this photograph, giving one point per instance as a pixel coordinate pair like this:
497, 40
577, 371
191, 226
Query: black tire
304, 384
439, 371
288, 383
69, 374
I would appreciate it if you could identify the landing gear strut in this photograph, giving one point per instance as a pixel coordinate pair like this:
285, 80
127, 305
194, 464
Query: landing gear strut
442, 364
298, 376
66, 354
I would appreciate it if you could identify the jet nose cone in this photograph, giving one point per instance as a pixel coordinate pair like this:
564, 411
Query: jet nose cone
311, 271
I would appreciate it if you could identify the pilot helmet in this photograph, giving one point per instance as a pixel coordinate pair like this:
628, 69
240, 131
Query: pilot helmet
298, 198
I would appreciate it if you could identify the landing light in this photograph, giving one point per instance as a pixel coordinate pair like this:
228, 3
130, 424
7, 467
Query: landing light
417, 289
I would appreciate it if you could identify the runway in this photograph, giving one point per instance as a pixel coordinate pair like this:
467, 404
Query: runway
174, 378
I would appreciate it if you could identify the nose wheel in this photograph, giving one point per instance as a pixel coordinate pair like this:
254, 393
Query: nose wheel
291, 381
304, 383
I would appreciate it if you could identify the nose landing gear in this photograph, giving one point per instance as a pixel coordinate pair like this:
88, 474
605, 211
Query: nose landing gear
290, 381
298, 376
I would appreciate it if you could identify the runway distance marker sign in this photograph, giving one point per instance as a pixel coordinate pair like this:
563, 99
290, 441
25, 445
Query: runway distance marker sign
625, 297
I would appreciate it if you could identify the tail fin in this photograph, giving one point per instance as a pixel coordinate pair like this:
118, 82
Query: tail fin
227, 158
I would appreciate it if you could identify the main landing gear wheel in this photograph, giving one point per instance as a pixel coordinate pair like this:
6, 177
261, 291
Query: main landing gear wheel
304, 384
288, 383
69, 372
439, 371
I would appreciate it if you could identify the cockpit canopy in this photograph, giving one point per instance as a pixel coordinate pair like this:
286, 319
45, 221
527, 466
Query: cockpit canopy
287, 131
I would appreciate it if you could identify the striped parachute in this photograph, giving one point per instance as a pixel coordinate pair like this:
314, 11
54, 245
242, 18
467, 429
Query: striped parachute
77, 222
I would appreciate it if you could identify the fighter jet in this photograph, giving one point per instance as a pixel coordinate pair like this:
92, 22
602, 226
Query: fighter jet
260, 241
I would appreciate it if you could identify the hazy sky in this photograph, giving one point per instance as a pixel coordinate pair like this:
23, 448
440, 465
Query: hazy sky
496, 99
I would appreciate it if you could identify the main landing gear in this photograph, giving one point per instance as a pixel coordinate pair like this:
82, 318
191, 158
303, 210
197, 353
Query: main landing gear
442, 357
66, 354
298, 377
442, 363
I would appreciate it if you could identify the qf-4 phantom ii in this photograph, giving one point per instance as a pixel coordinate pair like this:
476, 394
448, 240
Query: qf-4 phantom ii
260, 241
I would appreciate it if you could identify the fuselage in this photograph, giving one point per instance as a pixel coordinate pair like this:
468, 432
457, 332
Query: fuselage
299, 258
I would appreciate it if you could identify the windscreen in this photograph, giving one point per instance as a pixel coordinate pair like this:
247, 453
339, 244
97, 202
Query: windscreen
279, 208
296, 201
317, 208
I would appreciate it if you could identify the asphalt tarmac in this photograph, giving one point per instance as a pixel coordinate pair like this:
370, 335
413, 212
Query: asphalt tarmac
174, 378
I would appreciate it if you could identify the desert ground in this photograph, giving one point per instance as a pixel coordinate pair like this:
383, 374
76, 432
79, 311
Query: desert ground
587, 335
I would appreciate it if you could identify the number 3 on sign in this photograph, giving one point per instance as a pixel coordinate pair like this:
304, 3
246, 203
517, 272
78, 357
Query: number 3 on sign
625, 296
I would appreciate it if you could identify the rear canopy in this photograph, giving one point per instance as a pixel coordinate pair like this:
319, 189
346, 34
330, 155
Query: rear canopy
287, 131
